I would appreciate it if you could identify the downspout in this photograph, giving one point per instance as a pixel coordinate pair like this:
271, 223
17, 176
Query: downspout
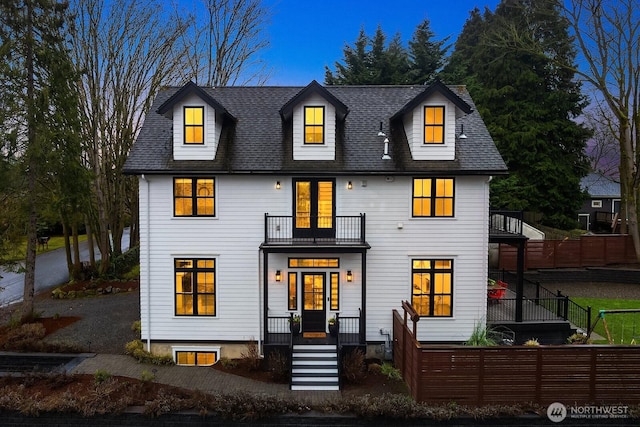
259, 309
147, 267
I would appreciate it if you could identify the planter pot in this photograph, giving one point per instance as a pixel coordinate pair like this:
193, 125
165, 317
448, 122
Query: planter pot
333, 329
294, 328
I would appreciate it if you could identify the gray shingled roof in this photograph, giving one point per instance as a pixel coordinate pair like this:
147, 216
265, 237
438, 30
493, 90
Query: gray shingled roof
598, 185
259, 141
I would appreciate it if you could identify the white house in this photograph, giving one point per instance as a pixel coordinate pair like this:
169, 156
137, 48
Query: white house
257, 203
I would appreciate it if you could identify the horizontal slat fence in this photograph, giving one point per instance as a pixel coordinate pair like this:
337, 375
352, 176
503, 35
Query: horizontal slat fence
504, 374
588, 251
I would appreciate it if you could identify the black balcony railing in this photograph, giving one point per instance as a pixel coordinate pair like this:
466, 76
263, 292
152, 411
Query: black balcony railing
287, 230
505, 222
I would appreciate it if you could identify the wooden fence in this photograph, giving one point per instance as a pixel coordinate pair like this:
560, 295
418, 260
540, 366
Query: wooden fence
578, 374
588, 251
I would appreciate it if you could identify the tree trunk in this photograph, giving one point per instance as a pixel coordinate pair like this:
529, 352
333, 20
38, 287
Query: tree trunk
77, 265
91, 243
67, 247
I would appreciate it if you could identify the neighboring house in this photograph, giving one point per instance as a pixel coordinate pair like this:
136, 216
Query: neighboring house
260, 202
599, 212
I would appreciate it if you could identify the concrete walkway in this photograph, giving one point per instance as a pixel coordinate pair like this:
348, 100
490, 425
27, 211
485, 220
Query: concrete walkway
205, 379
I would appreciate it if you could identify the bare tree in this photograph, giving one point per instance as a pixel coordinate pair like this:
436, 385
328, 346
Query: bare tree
127, 49
607, 34
223, 42
603, 149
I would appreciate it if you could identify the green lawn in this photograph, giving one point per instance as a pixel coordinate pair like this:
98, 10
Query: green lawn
55, 242
624, 328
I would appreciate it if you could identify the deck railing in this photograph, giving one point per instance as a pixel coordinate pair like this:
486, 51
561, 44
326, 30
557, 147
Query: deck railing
509, 222
279, 229
351, 330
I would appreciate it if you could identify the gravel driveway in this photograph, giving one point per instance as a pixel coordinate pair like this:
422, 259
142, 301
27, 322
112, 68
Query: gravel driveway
105, 324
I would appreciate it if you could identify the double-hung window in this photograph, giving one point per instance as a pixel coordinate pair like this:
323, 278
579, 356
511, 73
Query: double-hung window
194, 196
314, 125
195, 284
434, 125
194, 125
432, 283
433, 197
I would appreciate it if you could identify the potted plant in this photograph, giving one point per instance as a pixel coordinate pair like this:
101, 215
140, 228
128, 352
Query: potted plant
294, 324
333, 326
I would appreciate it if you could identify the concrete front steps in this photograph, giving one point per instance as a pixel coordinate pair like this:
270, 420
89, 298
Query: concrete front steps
314, 367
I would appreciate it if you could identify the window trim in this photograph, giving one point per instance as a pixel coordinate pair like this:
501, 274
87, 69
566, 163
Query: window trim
433, 125
185, 125
293, 262
433, 198
596, 203
194, 271
187, 349
194, 197
305, 125
432, 271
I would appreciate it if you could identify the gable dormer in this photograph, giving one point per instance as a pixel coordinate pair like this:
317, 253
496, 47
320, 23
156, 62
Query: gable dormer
429, 121
197, 123
314, 113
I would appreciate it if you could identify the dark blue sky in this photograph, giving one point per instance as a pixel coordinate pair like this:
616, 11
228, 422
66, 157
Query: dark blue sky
307, 35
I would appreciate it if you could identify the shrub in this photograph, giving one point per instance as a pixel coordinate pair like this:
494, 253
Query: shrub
480, 336
578, 339
136, 349
101, 376
278, 365
533, 342
251, 357
390, 371
353, 366
147, 376
25, 337
136, 326
228, 363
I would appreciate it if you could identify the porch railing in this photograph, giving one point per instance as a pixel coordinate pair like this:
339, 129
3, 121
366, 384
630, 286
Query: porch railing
351, 330
540, 304
505, 222
280, 229
278, 331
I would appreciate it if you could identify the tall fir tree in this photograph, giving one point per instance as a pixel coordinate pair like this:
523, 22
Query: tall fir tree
426, 56
37, 86
529, 104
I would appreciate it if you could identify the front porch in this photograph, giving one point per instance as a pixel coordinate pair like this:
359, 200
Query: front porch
350, 332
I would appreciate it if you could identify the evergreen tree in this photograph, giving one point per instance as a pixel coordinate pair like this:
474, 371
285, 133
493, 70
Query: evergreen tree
371, 61
528, 103
37, 88
426, 56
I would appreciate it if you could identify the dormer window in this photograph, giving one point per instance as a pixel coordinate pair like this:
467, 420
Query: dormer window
194, 125
434, 125
314, 125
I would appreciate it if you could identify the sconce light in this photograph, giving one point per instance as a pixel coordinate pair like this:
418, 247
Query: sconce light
278, 276
462, 135
278, 185
349, 185
349, 276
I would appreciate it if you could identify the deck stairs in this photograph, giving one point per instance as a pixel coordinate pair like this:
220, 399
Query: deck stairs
314, 367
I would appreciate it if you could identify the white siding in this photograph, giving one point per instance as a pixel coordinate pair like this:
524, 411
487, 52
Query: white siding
414, 128
326, 151
206, 151
234, 236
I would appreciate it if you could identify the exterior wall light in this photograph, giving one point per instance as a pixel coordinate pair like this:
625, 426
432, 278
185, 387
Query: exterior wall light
278, 276
349, 276
278, 186
349, 185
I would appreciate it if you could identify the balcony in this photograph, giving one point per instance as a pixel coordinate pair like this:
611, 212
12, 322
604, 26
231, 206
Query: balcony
505, 226
314, 232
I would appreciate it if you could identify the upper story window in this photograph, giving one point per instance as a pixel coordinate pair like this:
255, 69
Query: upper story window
314, 125
434, 125
433, 197
194, 125
193, 197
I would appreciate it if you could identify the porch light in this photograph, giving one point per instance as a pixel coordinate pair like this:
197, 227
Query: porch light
349, 276
462, 135
349, 185
278, 276
278, 185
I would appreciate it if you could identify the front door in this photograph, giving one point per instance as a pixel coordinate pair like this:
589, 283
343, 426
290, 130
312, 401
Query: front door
313, 307
314, 208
